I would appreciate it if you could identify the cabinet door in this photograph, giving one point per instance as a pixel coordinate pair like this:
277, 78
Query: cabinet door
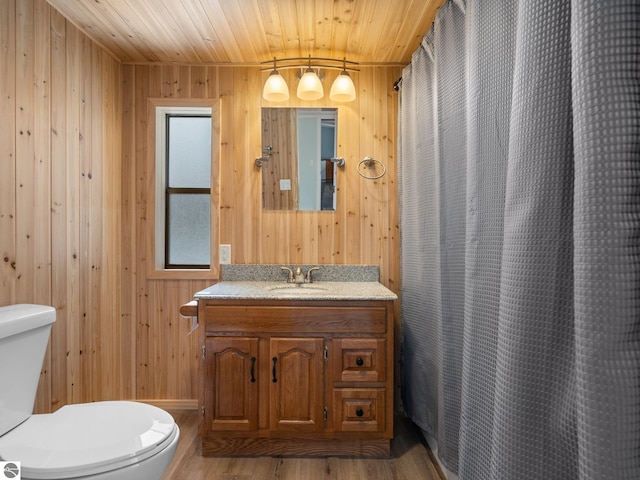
231, 387
297, 376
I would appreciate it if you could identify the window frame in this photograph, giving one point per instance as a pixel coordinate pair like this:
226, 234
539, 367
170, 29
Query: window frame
158, 109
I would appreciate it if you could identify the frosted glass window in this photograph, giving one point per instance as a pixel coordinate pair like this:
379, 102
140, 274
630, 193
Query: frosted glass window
189, 234
187, 190
189, 151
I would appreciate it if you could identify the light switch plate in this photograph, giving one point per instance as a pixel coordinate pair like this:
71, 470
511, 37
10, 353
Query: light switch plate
225, 254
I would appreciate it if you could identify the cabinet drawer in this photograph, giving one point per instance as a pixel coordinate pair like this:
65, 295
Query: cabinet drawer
359, 409
359, 359
290, 319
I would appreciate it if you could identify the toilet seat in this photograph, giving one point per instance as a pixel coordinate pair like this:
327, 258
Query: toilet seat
87, 439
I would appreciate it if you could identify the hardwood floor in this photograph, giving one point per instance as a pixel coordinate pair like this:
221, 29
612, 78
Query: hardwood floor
410, 460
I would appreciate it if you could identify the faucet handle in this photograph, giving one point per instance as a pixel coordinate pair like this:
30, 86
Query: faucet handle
309, 278
290, 274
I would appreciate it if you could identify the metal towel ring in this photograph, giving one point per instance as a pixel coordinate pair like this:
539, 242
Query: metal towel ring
370, 163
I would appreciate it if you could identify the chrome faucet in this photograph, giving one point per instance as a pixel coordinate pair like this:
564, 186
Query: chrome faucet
297, 276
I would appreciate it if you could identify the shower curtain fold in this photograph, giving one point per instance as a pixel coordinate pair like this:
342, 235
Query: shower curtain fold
420, 244
488, 118
520, 215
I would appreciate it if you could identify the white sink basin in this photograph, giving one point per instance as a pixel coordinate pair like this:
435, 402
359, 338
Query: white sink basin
291, 288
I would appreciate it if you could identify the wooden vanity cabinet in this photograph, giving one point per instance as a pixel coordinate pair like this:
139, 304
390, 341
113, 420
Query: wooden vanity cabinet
283, 377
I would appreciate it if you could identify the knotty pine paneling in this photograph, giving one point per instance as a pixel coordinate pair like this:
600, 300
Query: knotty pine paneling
60, 160
250, 31
279, 129
74, 202
363, 230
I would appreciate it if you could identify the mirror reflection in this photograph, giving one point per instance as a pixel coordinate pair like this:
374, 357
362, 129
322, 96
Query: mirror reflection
300, 143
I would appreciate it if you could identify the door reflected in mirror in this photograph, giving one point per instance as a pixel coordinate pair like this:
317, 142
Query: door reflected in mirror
299, 174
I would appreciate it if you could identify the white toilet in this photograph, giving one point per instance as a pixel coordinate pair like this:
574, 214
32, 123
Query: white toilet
96, 441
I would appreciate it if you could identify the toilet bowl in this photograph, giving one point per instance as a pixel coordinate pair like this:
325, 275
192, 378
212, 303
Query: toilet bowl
98, 441
113, 440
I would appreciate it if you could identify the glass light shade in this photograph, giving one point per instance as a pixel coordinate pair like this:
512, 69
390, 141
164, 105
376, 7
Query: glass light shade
310, 86
275, 88
343, 89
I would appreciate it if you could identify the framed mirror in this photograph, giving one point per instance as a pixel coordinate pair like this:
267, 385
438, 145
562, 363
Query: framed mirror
299, 144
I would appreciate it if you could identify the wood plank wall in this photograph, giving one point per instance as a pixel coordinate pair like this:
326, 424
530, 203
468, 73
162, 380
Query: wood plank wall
60, 195
363, 230
74, 202
280, 132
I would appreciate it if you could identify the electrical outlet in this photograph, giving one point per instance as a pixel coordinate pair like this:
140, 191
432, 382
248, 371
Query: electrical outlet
285, 184
225, 254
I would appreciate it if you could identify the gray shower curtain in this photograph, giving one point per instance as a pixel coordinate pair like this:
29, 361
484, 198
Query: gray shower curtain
519, 168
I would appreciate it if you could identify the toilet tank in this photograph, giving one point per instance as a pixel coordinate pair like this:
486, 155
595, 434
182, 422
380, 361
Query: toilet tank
24, 334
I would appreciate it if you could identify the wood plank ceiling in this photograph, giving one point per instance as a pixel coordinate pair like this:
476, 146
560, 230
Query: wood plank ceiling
246, 32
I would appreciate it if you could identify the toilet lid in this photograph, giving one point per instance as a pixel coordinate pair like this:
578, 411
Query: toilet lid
87, 439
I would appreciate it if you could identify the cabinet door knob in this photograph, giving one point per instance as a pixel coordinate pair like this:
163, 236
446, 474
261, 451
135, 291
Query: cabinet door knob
273, 370
359, 412
359, 362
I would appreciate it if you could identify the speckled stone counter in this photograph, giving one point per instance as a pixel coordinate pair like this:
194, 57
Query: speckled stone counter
284, 291
268, 282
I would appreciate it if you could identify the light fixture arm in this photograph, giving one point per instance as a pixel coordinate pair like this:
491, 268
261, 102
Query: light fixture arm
310, 62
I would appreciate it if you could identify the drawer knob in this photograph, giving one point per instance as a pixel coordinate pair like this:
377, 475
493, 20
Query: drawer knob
359, 412
359, 362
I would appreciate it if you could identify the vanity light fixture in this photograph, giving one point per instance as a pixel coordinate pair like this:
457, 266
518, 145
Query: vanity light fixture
275, 88
310, 85
343, 89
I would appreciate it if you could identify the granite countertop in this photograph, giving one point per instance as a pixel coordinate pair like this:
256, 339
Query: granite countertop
268, 282
287, 291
